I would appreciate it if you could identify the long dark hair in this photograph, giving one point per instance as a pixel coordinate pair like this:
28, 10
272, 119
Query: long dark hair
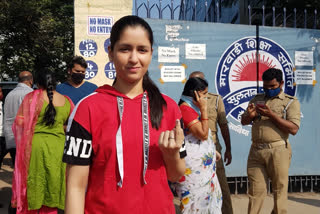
193, 84
46, 80
156, 101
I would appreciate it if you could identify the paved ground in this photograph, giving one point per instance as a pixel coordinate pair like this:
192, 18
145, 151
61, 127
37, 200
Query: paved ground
299, 203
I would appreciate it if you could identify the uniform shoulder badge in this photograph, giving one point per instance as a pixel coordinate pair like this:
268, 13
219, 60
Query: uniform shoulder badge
290, 97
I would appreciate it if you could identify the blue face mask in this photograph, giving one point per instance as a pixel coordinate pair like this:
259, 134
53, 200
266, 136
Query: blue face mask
271, 92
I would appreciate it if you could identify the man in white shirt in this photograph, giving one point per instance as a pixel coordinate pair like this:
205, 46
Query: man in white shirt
11, 106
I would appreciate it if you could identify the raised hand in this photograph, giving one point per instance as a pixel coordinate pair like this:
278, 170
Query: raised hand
170, 142
201, 100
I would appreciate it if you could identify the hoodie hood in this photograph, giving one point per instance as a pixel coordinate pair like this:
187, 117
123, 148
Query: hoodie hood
107, 89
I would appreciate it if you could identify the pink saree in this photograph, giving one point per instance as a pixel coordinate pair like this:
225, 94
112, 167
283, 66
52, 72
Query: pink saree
23, 129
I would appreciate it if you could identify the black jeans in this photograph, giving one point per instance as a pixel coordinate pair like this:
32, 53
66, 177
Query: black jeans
4, 152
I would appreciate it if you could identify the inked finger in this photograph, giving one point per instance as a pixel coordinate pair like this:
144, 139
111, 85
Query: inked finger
179, 136
178, 125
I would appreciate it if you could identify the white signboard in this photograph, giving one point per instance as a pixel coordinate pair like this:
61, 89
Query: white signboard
172, 33
168, 54
195, 51
303, 58
305, 77
99, 25
172, 73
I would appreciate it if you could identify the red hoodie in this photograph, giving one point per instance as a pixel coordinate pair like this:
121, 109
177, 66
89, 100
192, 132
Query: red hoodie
92, 134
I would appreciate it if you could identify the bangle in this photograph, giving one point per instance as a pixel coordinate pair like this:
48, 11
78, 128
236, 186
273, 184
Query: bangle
204, 119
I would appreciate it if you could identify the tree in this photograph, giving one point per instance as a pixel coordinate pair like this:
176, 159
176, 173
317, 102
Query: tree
35, 34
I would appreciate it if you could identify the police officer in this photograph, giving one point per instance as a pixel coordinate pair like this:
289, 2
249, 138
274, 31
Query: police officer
217, 116
274, 115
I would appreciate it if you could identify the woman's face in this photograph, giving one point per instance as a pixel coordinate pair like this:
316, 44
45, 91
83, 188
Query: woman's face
203, 93
131, 54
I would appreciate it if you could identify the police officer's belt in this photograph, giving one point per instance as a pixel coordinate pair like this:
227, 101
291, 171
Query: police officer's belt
268, 145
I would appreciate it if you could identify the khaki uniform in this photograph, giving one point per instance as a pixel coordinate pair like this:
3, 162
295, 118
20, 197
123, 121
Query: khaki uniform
270, 153
217, 115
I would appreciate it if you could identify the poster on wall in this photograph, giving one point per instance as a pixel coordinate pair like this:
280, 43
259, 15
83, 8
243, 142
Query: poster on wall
305, 77
99, 25
172, 74
195, 51
93, 23
235, 80
303, 58
168, 54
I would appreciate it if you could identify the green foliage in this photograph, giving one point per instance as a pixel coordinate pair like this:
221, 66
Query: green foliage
35, 34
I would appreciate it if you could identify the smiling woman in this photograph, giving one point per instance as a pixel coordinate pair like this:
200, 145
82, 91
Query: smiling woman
131, 56
120, 163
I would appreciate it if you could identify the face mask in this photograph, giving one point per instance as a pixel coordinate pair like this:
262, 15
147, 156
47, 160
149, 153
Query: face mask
271, 92
77, 78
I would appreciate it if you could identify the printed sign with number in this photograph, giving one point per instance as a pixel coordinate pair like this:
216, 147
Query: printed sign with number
88, 48
91, 70
110, 71
106, 44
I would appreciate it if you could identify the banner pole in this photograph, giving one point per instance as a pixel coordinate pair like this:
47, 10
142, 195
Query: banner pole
257, 56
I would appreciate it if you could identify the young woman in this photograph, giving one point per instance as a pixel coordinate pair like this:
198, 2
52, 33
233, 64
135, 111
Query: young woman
39, 173
199, 190
123, 142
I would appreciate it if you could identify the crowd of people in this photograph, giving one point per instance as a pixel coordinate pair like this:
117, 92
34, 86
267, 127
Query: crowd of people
79, 148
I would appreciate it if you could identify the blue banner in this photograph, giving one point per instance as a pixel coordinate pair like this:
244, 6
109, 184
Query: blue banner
226, 54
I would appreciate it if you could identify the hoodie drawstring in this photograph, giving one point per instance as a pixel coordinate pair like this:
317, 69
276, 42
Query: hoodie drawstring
146, 138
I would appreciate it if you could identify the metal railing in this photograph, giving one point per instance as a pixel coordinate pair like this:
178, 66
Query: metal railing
296, 18
299, 183
265, 16
156, 10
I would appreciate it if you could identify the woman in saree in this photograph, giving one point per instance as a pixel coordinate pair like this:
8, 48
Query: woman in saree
199, 190
39, 176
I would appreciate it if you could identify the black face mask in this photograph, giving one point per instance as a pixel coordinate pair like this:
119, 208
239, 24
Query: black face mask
77, 78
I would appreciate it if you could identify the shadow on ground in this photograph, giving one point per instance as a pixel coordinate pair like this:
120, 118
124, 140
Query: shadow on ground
312, 202
6, 176
5, 196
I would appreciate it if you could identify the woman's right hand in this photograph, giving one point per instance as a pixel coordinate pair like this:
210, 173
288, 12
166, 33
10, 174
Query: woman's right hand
170, 143
201, 100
